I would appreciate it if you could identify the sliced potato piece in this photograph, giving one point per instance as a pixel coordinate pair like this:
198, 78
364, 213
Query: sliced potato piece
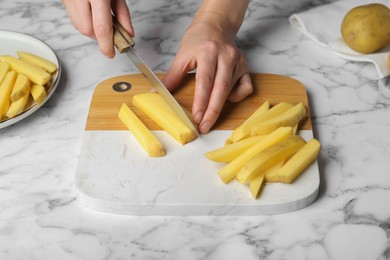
245, 130
38, 92
17, 106
229, 172
38, 61
268, 157
288, 118
271, 171
255, 185
229, 152
298, 163
21, 87
235, 136
152, 146
34, 73
155, 107
5, 91
4, 68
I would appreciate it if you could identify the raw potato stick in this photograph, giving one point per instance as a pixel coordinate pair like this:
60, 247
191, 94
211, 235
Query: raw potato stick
268, 157
246, 129
38, 61
35, 74
155, 107
298, 163
264, 107
38, 92
256, 184
288, 118
5, 91
228, 173
230, 152
144, 136
4, 68
22, 86
17, 106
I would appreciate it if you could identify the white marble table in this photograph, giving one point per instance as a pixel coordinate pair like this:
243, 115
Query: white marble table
40, 217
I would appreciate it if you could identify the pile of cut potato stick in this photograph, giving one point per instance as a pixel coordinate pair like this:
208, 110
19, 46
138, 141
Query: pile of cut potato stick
23, 81
266, 148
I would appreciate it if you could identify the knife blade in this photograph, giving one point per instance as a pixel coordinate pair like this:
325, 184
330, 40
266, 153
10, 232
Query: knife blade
125, 44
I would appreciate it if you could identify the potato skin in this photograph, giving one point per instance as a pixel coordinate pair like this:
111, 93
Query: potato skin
366, 28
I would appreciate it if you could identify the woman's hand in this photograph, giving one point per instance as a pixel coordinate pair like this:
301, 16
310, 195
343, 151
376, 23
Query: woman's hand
93, 18
221, 71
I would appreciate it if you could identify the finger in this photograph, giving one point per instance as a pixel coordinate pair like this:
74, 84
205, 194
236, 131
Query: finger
242, 89
220, 91
122, 13
180, 66
204, 80
102, 25
84, 18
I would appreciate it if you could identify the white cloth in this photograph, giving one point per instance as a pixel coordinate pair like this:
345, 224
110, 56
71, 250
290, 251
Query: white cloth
323, 25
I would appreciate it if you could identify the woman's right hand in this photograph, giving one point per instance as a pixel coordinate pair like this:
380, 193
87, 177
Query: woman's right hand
93, 18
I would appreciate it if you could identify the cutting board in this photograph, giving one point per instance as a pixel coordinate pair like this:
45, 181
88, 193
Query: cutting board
115, 175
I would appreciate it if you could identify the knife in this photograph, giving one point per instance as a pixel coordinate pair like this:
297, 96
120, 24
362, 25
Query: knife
125, 44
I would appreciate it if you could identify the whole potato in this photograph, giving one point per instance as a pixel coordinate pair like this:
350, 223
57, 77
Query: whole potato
366, 28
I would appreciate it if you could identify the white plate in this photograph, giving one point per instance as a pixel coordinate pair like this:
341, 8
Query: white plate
11, 42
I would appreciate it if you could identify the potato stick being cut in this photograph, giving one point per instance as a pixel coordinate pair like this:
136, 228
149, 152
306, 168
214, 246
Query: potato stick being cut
155, 107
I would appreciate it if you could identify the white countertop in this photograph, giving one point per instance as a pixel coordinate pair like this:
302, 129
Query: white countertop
40, 217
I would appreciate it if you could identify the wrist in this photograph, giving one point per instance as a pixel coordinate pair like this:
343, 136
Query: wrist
225, 14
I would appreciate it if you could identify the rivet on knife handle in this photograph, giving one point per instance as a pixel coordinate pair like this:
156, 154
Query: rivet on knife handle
122, 38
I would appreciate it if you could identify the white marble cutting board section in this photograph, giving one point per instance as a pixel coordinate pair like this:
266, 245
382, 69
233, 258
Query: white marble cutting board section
115, 175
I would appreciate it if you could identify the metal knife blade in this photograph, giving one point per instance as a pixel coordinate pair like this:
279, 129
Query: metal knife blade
148, 73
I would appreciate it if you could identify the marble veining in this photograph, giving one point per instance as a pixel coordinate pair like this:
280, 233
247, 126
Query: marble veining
40, 217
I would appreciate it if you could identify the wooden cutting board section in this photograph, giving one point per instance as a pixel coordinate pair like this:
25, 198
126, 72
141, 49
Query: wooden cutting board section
115, 175
275, 88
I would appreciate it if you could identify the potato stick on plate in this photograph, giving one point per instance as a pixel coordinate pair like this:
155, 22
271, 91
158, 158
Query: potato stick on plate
4, 68
5, 91
38, 61
17, 106
22, 86
34, 73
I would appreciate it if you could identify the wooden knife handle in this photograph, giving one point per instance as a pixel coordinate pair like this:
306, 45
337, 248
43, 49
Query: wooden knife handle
122, 39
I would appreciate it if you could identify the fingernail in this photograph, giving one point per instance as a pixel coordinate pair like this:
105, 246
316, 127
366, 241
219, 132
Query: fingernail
205, 127
198, 117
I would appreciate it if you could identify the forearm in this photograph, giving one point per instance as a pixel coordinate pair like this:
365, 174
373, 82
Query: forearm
228, 14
